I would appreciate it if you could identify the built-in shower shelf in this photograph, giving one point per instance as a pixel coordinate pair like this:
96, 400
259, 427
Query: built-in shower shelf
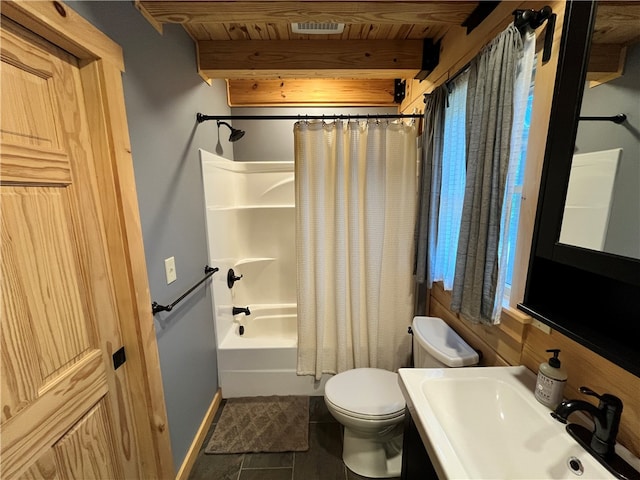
246, 261
249, 207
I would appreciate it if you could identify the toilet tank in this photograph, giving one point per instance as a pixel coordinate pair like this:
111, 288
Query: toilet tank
437, 345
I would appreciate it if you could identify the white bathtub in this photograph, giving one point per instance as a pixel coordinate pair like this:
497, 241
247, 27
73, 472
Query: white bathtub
262, 361
268, 326
251, 229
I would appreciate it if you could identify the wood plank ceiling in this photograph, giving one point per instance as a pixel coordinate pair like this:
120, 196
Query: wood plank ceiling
252, 45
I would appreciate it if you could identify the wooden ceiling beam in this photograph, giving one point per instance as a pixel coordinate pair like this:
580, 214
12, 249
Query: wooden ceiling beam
310, 92
376, 12
617, 22
310, 58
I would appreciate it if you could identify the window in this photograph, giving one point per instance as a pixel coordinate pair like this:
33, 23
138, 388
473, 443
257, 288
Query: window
453, 181
454, 176
516, 198
523, 102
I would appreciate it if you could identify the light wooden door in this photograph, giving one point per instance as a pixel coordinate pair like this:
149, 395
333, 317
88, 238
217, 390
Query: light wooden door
66, 411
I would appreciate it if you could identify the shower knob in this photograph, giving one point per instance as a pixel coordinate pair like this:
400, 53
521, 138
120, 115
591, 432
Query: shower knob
231, 278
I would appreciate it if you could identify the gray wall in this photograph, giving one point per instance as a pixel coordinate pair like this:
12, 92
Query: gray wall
163, 93
272, 140
621, 95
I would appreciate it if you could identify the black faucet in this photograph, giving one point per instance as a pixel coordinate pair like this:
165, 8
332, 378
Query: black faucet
237, 310
606, 417
602, 441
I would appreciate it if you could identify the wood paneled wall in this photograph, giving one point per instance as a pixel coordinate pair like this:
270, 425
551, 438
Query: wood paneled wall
516, 341
586, 368
497, 344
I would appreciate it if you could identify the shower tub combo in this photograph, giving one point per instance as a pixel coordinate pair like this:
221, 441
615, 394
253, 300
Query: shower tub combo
251, 229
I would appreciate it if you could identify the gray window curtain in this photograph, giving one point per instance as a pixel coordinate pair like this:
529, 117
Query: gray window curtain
489, 120
430, 181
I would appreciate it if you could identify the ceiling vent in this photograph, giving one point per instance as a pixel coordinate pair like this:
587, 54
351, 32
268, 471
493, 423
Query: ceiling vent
310, 28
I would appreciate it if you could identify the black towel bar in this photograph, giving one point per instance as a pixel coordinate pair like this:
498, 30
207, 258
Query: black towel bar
156, 307
619, 118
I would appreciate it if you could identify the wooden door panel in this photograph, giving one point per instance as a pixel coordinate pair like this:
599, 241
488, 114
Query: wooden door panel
44, 468
28, 435
81, 452
27, 74
62, 54
65, 412
29, 118
19, 386
38, 239
37, 130
86, 451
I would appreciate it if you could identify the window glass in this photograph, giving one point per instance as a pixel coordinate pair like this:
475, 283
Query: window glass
453, 182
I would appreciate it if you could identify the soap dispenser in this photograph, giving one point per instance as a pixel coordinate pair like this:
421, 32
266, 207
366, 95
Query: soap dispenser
551, 381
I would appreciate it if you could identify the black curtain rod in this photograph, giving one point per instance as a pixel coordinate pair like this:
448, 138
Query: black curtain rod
521, 20
619, 118
534, 19
200, 117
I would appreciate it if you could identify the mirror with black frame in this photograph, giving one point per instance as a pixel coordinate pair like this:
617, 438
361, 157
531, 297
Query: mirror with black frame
584, 271
602, 206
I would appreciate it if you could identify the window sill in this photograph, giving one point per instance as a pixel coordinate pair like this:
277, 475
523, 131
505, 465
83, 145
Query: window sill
513, 323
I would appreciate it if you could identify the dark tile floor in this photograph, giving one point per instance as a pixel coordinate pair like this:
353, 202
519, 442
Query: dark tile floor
323, 460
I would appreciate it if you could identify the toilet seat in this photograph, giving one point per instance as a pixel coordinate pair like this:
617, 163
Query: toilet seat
366, 393
361, 416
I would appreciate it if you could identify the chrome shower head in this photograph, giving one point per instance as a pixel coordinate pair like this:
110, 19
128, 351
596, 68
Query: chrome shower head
235, 133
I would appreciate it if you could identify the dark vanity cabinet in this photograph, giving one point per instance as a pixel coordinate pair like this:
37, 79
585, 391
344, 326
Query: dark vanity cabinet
416, 464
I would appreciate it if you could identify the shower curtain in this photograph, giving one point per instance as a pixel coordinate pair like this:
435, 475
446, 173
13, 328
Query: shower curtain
355, 217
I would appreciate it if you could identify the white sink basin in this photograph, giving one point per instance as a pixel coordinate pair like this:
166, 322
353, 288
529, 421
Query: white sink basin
484, 422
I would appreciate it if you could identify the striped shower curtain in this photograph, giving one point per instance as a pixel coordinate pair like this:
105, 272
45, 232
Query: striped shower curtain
355, 216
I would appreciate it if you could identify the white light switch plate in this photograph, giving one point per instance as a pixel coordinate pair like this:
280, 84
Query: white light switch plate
170, 269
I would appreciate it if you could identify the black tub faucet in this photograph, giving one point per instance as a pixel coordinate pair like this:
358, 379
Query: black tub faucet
237, 310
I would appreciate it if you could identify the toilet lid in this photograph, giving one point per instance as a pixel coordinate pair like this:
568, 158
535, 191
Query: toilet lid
366, 392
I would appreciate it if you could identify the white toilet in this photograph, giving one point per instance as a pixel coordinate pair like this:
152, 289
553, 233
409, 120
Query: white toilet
369, 404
